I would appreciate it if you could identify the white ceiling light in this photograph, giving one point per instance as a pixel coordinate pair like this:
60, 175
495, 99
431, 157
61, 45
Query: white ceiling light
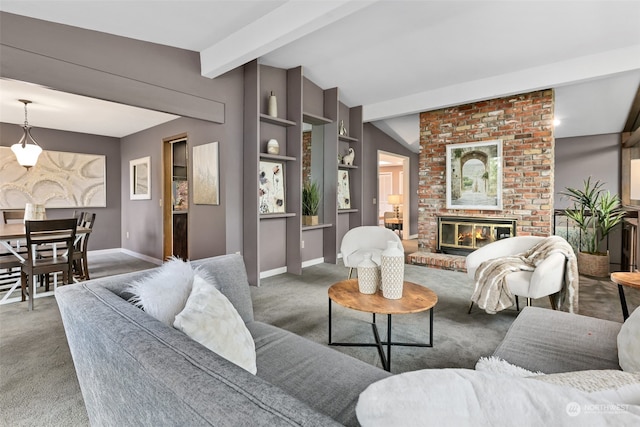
26, 153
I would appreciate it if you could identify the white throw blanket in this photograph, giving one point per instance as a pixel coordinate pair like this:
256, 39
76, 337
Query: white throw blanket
462, 397
491, 292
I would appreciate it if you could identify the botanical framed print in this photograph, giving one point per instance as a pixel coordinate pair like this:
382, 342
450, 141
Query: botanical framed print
474, 175
271, 187
206, 188
344, 195
140, 178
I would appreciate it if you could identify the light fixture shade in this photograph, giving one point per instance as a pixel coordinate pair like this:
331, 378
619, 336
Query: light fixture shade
634, 188
394, 199
27, 155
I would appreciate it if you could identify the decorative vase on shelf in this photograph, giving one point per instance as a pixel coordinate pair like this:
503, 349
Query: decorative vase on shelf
343, 130
273, 147
368, 275
392, 271
272, 108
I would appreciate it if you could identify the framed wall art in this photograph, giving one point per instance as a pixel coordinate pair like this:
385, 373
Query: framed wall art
206, 174
140, 179
58, 180
344, 195
474, 175
271, 187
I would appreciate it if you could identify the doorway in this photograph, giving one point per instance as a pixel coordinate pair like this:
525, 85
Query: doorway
393, 191
175, 210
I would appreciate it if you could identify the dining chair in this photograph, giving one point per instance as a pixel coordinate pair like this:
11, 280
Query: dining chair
48, 233
80, 263
12, 216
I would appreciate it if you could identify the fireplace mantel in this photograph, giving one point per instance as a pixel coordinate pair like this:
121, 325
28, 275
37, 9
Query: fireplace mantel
460, 235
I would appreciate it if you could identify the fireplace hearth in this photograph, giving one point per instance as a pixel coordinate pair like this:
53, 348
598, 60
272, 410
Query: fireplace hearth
458, 235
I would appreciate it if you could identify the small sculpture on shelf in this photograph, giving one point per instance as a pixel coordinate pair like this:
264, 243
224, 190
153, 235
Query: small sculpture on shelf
348, 158
273, 147
343, 130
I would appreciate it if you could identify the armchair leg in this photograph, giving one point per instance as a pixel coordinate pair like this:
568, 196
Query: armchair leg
553, 302
517, 304
470, 307
350, 272
528, 302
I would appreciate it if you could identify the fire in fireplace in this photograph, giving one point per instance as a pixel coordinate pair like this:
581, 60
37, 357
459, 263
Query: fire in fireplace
461, 235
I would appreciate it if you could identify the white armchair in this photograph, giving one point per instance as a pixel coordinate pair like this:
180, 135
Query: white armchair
546, 280
366, 239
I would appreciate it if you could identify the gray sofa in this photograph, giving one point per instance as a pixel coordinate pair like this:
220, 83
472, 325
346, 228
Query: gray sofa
134, 370
553, 341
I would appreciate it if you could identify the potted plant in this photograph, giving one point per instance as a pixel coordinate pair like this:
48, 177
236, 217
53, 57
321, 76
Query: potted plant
310, 203
595, 212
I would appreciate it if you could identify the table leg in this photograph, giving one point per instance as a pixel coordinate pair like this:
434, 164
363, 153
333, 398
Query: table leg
388, 367
329, 321
623, 303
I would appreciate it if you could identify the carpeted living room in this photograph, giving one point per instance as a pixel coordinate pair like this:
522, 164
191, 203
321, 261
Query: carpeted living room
374, 213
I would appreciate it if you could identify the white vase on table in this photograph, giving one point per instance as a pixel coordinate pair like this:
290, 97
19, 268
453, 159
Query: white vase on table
368, 275
392, 271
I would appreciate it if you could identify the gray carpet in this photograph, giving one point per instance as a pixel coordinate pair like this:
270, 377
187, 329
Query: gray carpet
38, 385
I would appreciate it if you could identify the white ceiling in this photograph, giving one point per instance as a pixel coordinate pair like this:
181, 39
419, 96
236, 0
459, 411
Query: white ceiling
398, 58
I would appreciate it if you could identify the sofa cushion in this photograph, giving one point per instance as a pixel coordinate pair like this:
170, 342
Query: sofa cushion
210, 319
553, 341
629, 343
307, 370
164, 291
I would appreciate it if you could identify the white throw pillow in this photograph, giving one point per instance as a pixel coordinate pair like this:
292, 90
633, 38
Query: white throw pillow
210, 319
629, 343
499, 366
164, 292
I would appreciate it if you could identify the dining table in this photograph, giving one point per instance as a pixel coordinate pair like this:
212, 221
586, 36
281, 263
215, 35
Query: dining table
12, 237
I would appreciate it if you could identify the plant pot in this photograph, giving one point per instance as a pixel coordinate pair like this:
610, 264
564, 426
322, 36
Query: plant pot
595, 265
309, 219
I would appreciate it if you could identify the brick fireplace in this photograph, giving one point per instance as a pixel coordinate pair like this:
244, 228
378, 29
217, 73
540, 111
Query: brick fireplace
524, 123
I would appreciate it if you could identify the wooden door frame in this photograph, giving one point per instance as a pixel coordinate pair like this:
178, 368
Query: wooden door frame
167, 188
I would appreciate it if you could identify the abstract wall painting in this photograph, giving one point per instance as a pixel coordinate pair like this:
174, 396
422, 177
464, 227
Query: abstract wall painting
58, 180
344, 195
206, 187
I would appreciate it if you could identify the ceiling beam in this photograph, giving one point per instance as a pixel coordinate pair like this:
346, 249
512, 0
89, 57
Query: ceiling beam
571, 71
289, 22
631, 140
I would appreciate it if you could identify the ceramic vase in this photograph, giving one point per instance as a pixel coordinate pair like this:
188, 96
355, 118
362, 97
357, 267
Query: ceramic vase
392, 271
368, 275
273, 147
272, 108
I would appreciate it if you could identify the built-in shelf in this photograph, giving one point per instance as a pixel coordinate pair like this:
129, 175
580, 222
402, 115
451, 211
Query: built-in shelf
277, 157
315, 120
277, 215
315, 227
341, 166
343, 211
276, 120
346, 138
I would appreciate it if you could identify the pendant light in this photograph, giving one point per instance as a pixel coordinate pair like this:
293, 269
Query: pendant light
26, 152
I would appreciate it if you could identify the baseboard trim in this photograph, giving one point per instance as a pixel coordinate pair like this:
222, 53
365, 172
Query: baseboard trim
141, 256
313, 262
274, 272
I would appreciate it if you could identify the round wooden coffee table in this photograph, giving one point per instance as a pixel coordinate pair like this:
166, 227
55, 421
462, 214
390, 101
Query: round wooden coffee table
415, 299
630, 279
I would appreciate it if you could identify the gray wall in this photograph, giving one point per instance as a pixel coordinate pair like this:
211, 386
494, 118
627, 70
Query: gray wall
374, 140
578, 158
145, 75
105, 234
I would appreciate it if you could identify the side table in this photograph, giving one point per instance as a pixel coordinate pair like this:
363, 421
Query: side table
415, 299
630, 279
